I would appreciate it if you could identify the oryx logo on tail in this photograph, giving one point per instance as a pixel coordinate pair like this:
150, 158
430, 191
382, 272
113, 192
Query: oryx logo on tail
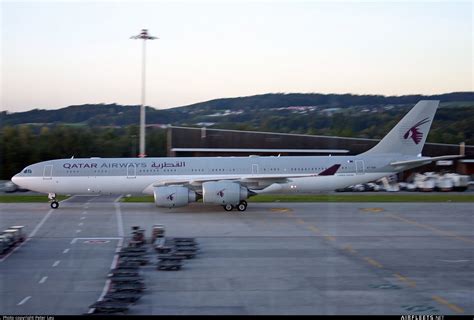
171, 197
414, 132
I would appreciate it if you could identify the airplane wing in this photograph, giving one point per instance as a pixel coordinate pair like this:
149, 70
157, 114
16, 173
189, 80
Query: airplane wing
275, 178
424, 159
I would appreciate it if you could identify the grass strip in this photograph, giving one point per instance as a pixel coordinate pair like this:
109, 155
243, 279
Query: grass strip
28, 198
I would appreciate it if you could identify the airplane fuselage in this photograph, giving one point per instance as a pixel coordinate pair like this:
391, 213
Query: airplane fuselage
139, 175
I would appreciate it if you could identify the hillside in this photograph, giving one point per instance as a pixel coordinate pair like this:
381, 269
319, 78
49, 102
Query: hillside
219, 111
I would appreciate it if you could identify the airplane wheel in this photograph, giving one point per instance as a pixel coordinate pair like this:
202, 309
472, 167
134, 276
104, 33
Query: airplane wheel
54, 204
242, 206
228, 207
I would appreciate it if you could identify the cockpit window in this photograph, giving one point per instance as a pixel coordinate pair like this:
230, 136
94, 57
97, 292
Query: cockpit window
27, 171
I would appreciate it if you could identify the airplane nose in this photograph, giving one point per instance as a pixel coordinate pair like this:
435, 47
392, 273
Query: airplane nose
15, 179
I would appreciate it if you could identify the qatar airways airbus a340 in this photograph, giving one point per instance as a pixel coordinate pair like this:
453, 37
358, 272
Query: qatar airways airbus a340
229, 181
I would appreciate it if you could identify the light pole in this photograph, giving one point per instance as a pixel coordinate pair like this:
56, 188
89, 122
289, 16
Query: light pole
144, 36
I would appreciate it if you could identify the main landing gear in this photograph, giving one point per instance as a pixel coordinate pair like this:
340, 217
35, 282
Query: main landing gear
242, 206
52, 198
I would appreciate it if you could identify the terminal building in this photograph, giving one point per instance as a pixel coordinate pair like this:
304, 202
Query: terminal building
203, 142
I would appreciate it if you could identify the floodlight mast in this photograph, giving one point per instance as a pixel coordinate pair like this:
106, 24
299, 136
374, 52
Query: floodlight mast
144, 36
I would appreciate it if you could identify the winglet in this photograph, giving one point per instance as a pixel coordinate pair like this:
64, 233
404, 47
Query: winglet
330, 171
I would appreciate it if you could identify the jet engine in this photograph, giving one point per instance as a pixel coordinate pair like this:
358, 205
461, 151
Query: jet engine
223, 192
173, 196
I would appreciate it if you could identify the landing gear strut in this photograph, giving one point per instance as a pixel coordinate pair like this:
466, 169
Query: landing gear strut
52, 199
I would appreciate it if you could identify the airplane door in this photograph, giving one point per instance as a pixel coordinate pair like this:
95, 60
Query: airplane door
254, 168
48, 172
131, 171
360, 169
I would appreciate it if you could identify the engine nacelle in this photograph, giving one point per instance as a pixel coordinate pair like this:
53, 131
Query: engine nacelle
223, 192
173, 196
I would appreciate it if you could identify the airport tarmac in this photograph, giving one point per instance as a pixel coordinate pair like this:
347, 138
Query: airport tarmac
276, 258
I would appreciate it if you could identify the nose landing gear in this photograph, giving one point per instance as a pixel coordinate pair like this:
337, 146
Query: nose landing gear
52, 198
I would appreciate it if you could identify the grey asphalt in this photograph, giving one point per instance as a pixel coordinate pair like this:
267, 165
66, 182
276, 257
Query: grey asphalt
277, 258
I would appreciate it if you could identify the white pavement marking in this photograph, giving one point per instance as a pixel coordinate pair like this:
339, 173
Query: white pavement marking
78, 230
23, 301
81, 224
66, 250
118, 213
455, 261
84, 212
56, 263
43, 280
82, 218
73, 241
112, 266
33, 233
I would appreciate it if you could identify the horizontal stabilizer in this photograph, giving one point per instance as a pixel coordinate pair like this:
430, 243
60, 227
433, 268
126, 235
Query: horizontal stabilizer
425, 160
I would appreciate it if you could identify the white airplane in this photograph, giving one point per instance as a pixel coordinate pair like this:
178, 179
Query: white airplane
229, 181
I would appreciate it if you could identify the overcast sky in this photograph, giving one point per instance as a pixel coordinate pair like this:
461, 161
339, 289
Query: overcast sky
55, 54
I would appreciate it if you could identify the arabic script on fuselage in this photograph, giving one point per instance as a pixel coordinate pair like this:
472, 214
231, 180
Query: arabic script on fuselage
118, 165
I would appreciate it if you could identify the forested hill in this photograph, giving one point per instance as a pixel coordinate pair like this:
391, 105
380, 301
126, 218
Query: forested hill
252, 109
273, 100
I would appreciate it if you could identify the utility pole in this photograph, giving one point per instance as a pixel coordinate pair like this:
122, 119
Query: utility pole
144, 36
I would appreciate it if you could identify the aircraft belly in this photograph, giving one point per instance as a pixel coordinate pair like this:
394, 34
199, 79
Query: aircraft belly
318, 184
139, 184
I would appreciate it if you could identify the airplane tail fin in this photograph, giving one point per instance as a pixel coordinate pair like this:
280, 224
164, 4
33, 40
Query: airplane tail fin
409, 135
